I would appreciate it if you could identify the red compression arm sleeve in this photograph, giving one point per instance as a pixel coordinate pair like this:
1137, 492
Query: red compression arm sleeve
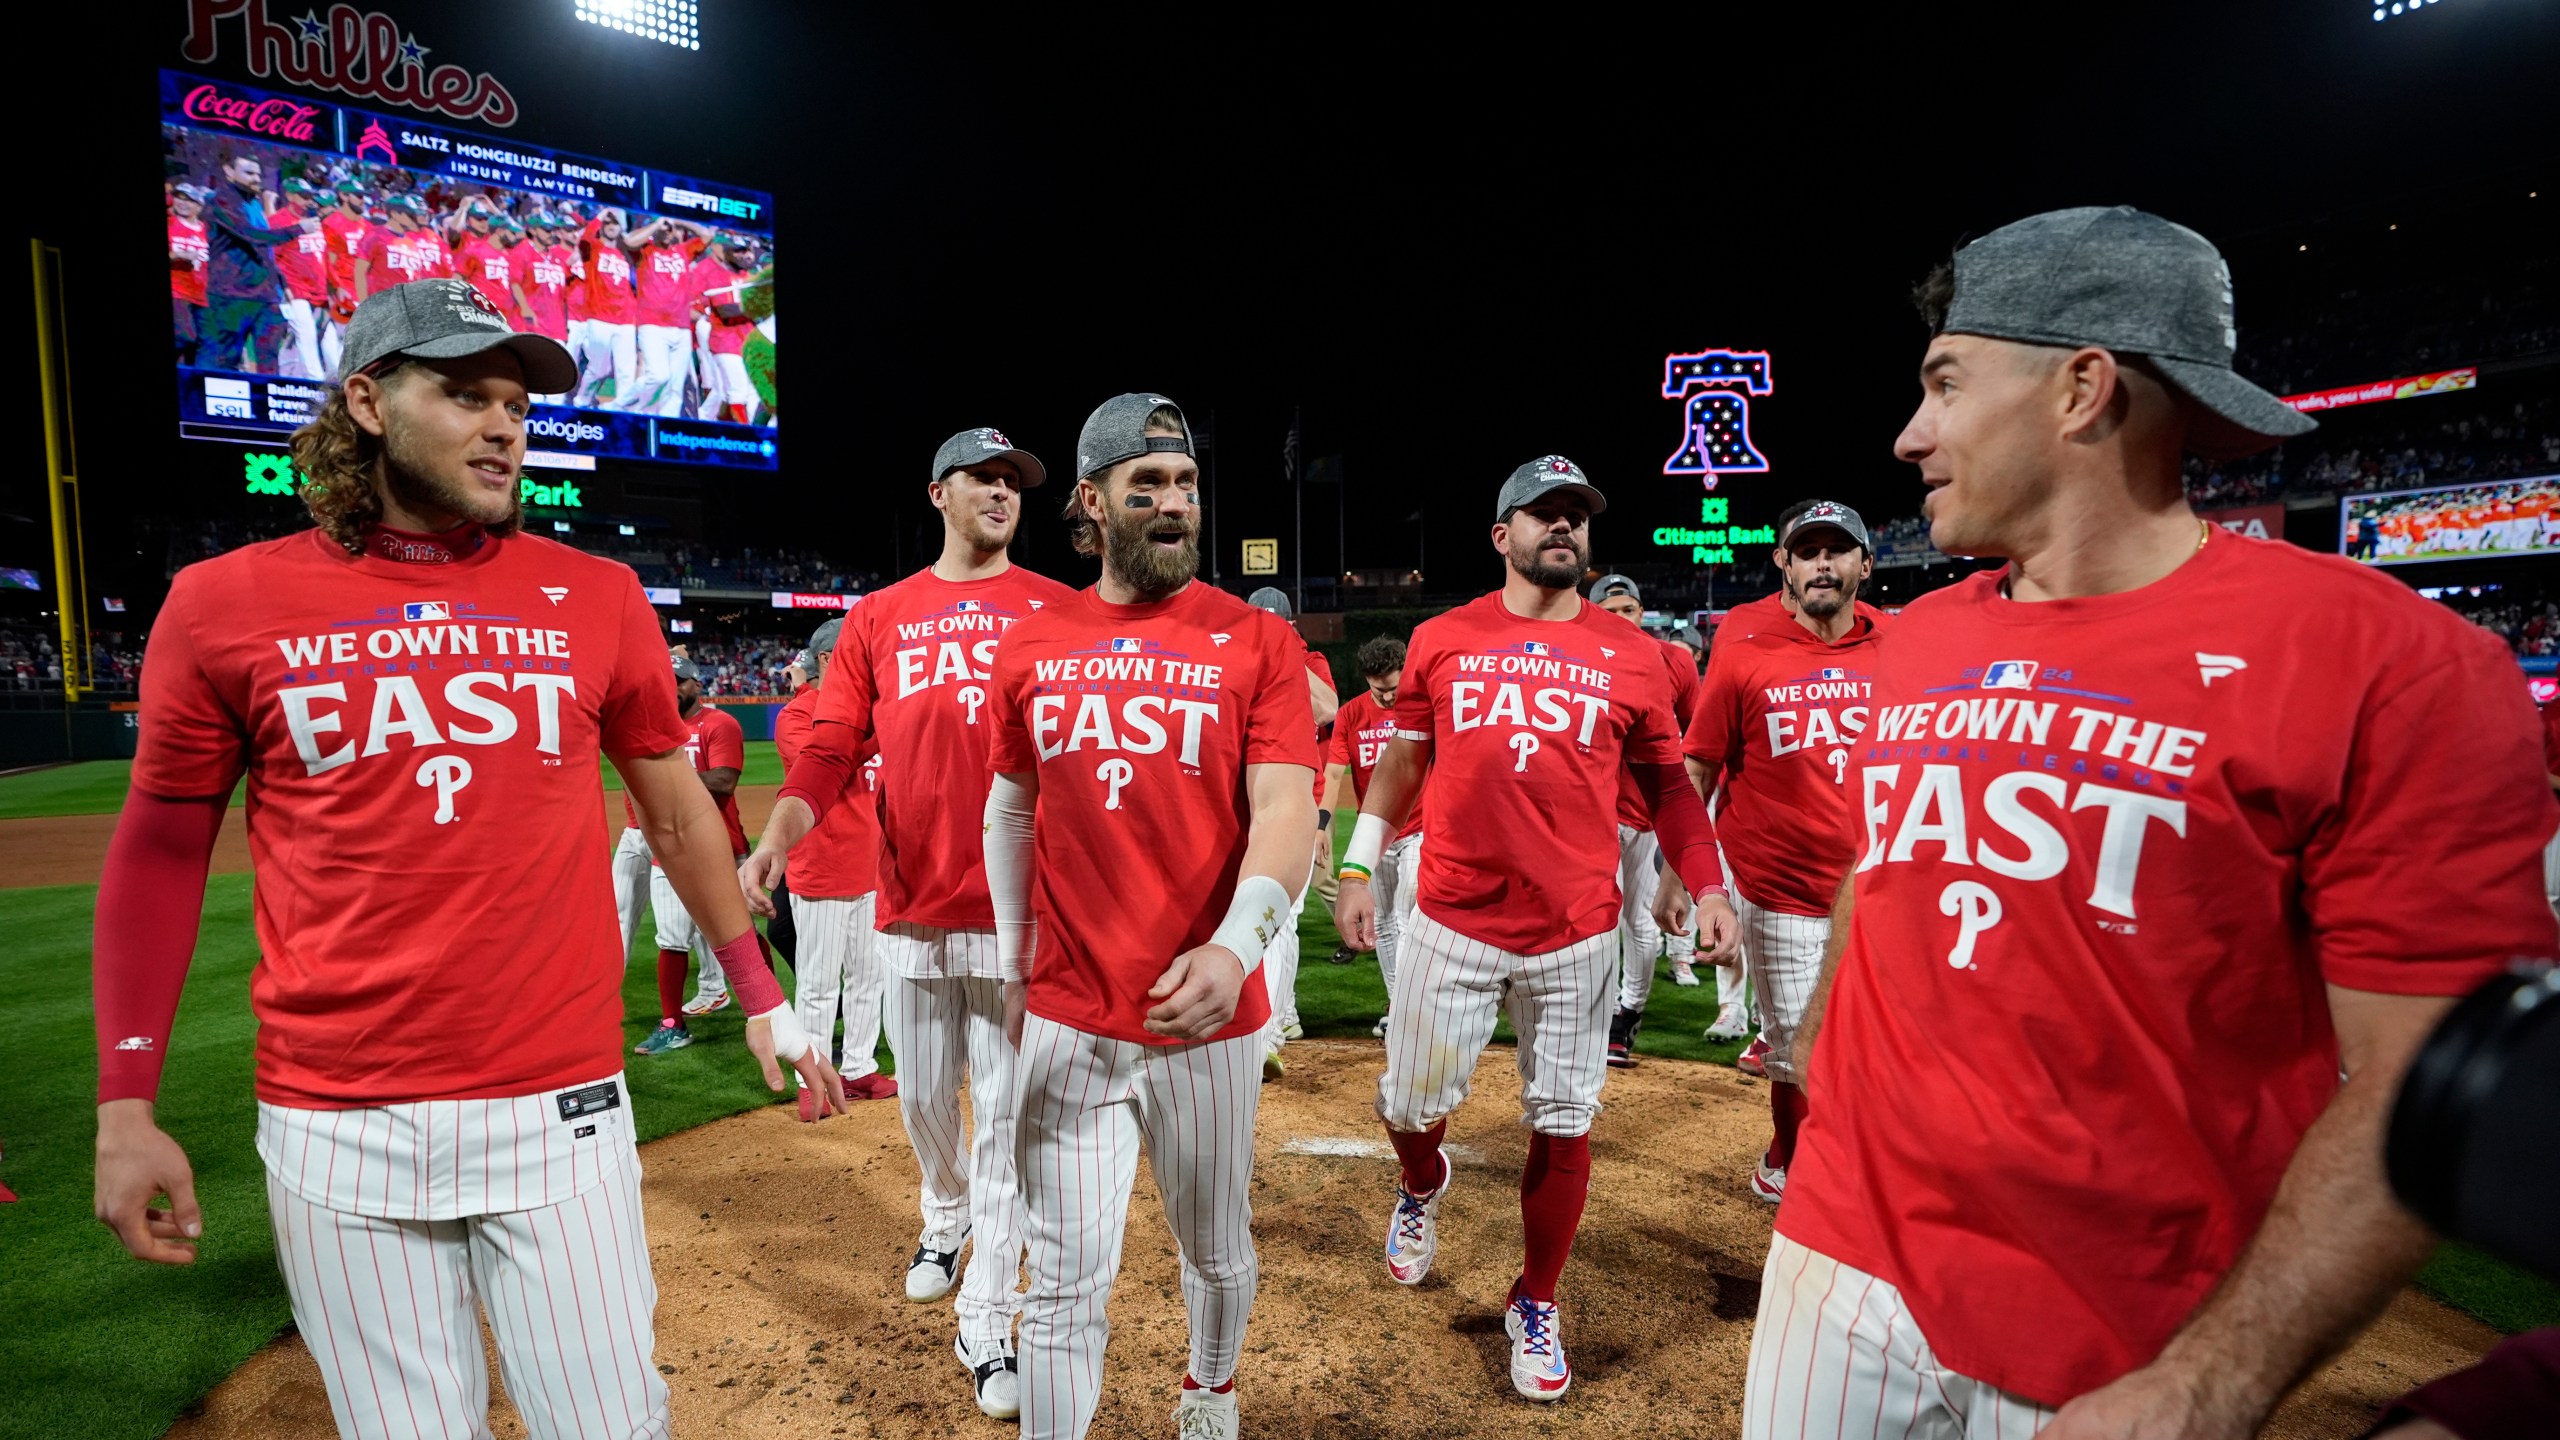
1680, 823
825, 767
150, 901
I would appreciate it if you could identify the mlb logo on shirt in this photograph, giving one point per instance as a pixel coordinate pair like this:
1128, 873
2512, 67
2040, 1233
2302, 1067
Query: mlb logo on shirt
1833, 672
426, 610
1533, 647
1127, 647
965, 606
2010, 675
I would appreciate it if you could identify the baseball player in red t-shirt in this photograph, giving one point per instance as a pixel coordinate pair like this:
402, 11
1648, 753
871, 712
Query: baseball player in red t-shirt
2145, 842
471, 234
1280, 966
1162, 729
1526, 704
719, 281
190, 251
1784, 703
418, 695
1361, 730
834, 894
910, 679
401, 250
662, 256
611, 355
346, 229
303, 264
1639, 855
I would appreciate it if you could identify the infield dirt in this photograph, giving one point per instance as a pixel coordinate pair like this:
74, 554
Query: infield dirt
780, 1253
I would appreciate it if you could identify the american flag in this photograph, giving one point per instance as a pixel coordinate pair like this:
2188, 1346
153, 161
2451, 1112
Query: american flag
1289, 453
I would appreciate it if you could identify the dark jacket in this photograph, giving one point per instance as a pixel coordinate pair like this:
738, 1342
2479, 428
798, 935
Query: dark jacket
236, 231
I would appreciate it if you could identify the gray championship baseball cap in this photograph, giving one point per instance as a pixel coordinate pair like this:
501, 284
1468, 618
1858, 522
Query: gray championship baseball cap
445, 320
2130, 281
822, 641
974, 447
1830, 515
1117, 431
1608, 585
1273, 599
1544, 476
687, 670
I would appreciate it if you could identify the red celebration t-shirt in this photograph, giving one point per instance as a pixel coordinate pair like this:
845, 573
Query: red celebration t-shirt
1362, 729
911, 678
610, 298
345, 234
1530, 723
1776, 725
1681, 668
715, 285
303, 261
666, 283
491, 270
398, 259
1140, 720
2117, 847
546, 284
189, 253
421, 746
840, 860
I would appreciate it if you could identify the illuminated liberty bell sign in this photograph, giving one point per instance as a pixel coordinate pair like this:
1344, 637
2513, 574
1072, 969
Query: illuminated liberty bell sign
1714, 388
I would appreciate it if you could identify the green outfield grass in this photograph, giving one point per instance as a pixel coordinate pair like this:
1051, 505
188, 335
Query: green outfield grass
88, 787
96, 787
98, 1345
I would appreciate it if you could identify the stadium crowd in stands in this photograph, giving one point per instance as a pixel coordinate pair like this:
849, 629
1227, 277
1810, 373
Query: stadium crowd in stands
31, 662
2530, 624
2521, 439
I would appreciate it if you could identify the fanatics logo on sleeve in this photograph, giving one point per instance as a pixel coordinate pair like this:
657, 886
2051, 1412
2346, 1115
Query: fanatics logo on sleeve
1221, 637
426, 610
2010, 675
1608, 654
1036, 604
555, 593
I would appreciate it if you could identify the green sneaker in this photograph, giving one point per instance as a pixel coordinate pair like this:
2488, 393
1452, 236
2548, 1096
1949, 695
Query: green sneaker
669, 1035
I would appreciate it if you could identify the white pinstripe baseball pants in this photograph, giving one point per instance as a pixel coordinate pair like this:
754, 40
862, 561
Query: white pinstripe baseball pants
1394, 886
1639, 939
1450, 991
1280, 972
1084, 1106
1836, 1356
390, 1306
630, 881
837, 972
944, 1029
1785, 953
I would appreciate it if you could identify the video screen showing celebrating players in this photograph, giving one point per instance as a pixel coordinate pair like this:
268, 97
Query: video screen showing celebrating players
2452, 522
285, 212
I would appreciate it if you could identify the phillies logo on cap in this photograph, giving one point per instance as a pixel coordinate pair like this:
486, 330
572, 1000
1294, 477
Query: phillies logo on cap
996, 440
1559, 464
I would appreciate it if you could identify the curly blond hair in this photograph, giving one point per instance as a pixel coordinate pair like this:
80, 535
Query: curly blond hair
341, 465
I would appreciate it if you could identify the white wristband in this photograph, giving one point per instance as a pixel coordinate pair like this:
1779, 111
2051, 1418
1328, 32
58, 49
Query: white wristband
790, 1042
1254, 919
1368, 841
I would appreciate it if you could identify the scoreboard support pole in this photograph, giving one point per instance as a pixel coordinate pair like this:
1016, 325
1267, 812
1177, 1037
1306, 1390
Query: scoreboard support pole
62, 483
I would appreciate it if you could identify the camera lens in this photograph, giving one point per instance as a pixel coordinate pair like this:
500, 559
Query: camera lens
2475, 1136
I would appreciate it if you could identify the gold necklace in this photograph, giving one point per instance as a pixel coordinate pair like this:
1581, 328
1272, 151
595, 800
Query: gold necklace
2204, 532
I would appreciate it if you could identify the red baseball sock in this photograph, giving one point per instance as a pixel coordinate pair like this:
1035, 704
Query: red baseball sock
1553, 1186
1788, 1106
1418, 1156
671, 967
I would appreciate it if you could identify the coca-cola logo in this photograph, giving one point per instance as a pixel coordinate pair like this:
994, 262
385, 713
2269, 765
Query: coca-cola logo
283, 119
363, 53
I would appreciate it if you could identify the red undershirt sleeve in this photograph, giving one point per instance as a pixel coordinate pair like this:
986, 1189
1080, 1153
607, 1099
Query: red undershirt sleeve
150, 902
825, 767
1680, 824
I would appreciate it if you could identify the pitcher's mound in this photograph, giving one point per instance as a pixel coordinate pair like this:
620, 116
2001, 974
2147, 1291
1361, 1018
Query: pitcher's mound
781, 1254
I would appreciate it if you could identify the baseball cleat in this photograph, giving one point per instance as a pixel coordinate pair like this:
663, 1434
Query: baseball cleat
1342, 955
1621, 1055
1292, 1030
931, 1272
1538, 1367
874, 1086
1207, 1415
997, 1375
1379, 1029
1683, 973
1768, 1184
1413, 1231
1272, 1069
704, 1004
670, 1035
1731, 1024
1749, 1061
1622, 1038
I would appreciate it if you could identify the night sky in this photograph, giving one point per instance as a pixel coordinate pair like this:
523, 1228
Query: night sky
1450, 247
